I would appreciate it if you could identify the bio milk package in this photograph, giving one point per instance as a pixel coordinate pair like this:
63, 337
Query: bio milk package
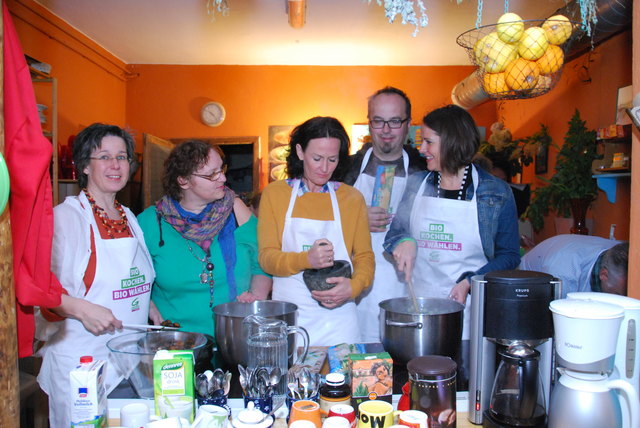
88, 394
173, 384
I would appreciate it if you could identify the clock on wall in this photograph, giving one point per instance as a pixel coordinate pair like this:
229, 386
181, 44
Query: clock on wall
212, 114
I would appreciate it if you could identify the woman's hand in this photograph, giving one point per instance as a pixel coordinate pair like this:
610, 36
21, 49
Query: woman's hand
154, 314
337, 295
405, 256
321, 254
97, 319
460, 291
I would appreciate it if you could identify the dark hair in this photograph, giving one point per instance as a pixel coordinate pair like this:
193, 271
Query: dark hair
89, 139
376, 366
318, 127
616, 260
185, 159
459, 136
391, 90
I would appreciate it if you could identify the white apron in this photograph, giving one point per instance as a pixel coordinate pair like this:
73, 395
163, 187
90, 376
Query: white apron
122, 283
449, 244
326, 327
386, 284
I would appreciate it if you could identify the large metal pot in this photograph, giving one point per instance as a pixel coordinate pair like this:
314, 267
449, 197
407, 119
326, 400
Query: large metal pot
434, 329
230, 336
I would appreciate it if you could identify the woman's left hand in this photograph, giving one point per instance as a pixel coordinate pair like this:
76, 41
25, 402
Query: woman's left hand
460, 291
337, 295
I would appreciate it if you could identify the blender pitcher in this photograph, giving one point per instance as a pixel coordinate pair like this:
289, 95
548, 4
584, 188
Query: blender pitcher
267, 345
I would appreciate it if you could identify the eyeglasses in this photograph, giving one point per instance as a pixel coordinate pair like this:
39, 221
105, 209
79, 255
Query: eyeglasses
393, 123
214, 175
108, 159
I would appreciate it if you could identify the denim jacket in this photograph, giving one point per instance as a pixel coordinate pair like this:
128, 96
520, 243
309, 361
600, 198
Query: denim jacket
497, 219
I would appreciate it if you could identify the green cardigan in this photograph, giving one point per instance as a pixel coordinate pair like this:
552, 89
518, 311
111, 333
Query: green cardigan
177, 291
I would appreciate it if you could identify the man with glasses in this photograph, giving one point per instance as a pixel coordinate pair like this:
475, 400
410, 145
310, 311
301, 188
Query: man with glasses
386, 159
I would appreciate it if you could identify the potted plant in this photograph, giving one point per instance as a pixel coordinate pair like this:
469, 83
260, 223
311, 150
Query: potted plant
572, 188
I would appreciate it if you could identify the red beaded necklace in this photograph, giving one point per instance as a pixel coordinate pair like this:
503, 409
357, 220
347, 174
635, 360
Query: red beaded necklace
112, 227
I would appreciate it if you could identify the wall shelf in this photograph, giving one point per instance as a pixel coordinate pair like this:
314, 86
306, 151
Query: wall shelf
608, 183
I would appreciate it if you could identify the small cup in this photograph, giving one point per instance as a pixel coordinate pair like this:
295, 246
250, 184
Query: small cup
209, 416
344, 410
376, 414
176, 407
306, 410
302, 423
336, 422
289, 402
414, 419
134, 415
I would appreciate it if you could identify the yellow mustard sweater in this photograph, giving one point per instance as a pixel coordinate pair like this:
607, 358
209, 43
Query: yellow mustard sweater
316, 206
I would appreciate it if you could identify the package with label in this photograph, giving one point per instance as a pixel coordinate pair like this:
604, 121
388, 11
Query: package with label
173, 384
88, 394
338, 356
382, 187
371, 377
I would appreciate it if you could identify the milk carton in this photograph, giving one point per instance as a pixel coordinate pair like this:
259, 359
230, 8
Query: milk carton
173, 384
88, 394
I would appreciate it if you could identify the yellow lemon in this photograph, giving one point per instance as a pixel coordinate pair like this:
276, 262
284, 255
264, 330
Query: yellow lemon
558, 29
492, 54
551, 61
522, 74
495, 83
510, 28
533, 43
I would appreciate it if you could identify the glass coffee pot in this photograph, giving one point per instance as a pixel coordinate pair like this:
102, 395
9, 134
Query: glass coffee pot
517, 398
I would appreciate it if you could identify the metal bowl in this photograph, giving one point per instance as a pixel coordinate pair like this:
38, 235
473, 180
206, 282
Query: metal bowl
133, 354
231, 339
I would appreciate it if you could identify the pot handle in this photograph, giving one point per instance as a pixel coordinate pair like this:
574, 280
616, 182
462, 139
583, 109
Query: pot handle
413, 324
631, 397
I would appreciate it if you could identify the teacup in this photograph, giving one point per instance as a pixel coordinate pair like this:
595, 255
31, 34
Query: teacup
170, 423
209, 416
376, 414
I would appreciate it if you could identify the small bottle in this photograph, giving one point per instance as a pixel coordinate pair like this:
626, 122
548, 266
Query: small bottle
334, 391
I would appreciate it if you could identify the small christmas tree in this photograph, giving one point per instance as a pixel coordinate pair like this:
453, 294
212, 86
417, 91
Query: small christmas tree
573, 178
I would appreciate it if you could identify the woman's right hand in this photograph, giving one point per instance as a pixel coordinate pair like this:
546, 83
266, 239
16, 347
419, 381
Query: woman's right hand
97, 319
405, 256
321, 254
154, 314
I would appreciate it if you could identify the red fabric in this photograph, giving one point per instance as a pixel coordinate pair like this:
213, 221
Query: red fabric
28, 156
404, 403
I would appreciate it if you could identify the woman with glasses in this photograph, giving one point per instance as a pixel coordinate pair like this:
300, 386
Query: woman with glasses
202, 239
98, 254
310, 220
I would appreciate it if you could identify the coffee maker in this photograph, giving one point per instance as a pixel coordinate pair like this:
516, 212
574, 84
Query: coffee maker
585, 395
511, 349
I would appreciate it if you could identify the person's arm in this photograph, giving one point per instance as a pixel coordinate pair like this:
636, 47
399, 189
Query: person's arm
273, 207
97, 319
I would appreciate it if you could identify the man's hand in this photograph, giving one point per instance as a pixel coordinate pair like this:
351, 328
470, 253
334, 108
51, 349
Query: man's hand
379, 219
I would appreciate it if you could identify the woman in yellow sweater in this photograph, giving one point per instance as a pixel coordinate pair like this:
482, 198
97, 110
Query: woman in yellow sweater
310, 220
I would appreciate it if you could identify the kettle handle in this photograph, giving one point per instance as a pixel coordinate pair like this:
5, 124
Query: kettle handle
305, 339
631, 397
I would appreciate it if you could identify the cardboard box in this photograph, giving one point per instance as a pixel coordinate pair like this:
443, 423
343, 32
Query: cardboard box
173, 384
88, 395
371, 377
383, 186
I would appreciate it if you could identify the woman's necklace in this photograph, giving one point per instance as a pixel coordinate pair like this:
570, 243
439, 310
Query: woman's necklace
206, 277
464, 180
112, 227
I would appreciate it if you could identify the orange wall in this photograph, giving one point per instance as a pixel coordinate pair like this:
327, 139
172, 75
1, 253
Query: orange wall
590, 84
91, 82
165, 100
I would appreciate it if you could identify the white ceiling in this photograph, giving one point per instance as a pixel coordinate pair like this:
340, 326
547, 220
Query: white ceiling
256, 32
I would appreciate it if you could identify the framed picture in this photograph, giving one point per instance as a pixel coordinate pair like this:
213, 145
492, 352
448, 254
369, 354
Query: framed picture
278, 151
541, 160
625, 101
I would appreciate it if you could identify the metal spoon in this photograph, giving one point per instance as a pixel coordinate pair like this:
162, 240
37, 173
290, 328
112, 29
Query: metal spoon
218, 376
305, 375
242, 377
292, 384
276, 375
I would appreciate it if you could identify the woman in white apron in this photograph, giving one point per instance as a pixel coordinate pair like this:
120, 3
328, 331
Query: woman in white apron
308, 222
461, 220
100, 257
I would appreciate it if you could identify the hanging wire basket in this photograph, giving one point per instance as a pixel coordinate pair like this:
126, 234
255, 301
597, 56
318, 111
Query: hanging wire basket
520, 59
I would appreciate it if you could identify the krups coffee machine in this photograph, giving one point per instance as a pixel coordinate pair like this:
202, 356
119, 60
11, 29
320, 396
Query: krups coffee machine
511, 349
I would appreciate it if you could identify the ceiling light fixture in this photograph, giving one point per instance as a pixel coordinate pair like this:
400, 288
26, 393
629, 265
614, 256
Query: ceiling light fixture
405, 8
297, 11
220, 5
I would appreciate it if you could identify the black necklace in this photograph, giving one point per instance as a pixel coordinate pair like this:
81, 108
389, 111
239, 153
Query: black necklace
206, 277
464, 180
